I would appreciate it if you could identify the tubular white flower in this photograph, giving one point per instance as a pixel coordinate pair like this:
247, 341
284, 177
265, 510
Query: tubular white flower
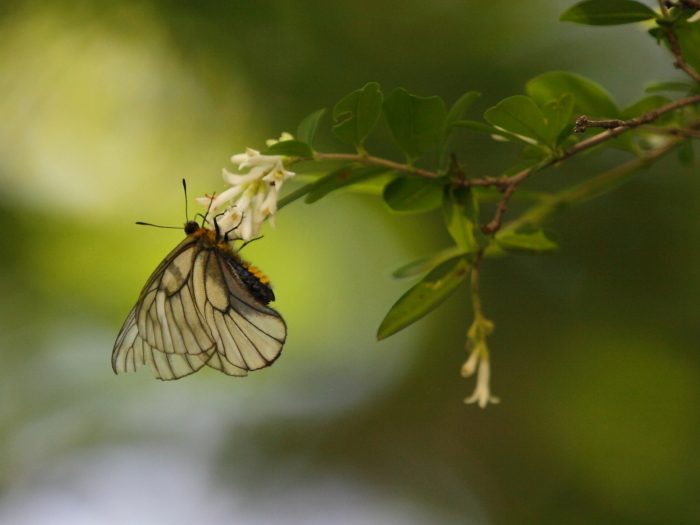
238, 180
242, 157
469, 367
256, 191
482, 392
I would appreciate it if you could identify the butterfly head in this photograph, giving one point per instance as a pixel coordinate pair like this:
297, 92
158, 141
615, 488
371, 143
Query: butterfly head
191, 227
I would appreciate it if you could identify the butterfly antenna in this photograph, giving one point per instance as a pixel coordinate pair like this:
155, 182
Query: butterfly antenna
235, 227
204, 218
158, 226
187, 214
248, 242
216, 225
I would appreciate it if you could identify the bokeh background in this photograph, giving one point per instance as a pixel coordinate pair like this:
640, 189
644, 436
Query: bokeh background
105, 106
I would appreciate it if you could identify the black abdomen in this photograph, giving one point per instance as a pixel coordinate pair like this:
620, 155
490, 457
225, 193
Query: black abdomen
255, 287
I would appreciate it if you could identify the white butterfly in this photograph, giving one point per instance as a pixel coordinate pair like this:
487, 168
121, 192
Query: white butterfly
203, 305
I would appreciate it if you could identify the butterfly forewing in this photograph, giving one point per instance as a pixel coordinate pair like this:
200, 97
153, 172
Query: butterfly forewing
195, 310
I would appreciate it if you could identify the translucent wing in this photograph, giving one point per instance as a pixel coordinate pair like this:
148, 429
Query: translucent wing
195, 310
164, 329
131, 351
248, 334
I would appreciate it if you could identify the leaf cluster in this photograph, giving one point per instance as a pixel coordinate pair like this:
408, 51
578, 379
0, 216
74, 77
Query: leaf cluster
540, 122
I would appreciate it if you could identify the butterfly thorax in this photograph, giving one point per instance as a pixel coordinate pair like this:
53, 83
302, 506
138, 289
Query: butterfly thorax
257, 284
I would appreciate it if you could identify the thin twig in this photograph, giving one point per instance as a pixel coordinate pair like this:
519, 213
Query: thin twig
649, 116
583, 123
405, 168
376, 161
508, 185
680, 61
644, 118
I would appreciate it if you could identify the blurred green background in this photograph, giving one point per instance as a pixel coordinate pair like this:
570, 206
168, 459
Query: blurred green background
105, 106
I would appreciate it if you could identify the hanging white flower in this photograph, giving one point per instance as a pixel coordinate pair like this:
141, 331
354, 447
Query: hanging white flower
256, 192
479, 362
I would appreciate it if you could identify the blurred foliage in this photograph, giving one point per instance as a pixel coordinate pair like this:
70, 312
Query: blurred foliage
106, 106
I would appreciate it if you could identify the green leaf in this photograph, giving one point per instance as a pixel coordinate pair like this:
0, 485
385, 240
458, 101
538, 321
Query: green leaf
686, 153
416, 123
413, 194
536, 153
307, 128
460, 108
344, 176
655, 87
486, 129
425, 296
607, 12
529, 243
643, 105
425, 264
519, 115
461, 212
557, 114
590, 98
359, 112
374, 186
291, 148
295, 195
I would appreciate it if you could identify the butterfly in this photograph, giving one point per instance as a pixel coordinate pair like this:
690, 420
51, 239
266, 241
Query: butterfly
203, 305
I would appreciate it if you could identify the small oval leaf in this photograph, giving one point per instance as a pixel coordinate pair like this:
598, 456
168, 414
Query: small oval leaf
461, 212
291, 148
424, 297
416, 123
460, 107
590, 98
412, 194
528, 243
607, 12
306, 132
487, 129
359, 112
425, 264
519, 115
342, 177
557, 114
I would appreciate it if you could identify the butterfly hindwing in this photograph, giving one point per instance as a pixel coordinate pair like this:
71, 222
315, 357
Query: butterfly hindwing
196, 310
131, 351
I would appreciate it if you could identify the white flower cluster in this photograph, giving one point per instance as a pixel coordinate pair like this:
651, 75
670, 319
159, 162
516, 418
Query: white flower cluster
256, 194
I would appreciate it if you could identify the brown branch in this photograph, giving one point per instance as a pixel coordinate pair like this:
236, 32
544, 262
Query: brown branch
513, 181
508, 185
376, 161
680, 61
644, 118
583, 123
501, 208
405, 168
